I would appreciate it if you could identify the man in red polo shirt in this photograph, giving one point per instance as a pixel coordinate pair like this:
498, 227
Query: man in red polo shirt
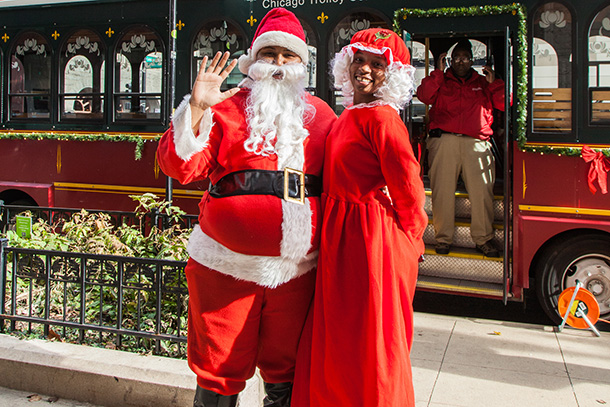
460, 128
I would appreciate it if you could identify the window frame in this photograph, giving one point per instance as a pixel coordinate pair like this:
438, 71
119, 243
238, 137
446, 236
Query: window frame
115, 96
103, 51
566, 135
49, 56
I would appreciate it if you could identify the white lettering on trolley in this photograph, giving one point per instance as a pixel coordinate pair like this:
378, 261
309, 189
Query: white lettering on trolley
326, 1
282, 3
297, 3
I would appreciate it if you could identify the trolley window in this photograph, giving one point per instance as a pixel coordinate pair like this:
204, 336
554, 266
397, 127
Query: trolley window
30, 78
138, 86
552, 69
310, 39
82, 66
599, 68
215, 36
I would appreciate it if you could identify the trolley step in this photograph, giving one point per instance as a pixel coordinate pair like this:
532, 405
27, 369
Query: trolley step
462, 264
475, 288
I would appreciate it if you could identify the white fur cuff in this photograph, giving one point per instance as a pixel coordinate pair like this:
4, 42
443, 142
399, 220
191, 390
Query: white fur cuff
187, 144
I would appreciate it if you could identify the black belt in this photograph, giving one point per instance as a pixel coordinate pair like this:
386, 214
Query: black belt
440, 132
291, 185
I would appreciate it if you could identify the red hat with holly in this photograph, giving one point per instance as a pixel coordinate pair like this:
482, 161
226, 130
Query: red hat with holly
279, 28
380, 41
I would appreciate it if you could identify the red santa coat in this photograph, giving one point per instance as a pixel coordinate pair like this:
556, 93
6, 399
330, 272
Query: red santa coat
257, 238
462, 106
362, 325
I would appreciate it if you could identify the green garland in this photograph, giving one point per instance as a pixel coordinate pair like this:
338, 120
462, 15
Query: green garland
515, 9
138, 140
566, 151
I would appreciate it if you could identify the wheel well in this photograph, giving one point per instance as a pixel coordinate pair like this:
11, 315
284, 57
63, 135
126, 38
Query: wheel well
12, 196
563, 236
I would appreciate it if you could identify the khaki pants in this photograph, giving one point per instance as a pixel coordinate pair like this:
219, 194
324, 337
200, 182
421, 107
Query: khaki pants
448, 156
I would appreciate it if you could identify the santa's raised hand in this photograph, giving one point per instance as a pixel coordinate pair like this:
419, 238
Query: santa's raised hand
206, 89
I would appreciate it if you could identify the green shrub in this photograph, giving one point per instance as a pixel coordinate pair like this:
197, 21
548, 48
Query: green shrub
94, 233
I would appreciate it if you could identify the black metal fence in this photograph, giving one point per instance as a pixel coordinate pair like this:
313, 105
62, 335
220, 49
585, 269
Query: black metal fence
135, 304
57, 215
129, 303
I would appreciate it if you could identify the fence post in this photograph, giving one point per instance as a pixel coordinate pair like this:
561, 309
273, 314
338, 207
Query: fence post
3, 216
3, 244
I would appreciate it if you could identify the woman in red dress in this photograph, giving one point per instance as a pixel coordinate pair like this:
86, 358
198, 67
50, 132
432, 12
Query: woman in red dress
360, 329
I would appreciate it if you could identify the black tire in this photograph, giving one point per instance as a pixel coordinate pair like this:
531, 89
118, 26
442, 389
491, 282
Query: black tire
584, 257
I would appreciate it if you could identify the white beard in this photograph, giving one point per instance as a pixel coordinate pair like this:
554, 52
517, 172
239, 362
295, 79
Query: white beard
277, 111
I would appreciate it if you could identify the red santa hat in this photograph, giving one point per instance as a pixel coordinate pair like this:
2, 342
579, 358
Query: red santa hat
380, 41
279, 28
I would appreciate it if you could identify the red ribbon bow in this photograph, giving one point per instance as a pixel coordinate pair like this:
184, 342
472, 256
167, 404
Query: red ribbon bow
598, 169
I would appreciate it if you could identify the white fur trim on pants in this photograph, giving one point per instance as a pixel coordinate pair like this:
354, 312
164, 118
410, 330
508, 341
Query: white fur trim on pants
267, 271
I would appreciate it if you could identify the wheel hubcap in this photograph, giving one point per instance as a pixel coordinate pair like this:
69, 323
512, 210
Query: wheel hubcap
593, 271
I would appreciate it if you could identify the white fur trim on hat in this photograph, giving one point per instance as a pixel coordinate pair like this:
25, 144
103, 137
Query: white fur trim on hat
274, 39
377, 51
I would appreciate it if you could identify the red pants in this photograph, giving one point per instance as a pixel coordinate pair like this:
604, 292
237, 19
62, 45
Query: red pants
235, 326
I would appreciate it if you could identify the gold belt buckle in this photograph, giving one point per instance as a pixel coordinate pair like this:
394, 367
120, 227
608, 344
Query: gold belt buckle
287, 197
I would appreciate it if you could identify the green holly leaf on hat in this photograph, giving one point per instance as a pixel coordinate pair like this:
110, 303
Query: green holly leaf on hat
382, 35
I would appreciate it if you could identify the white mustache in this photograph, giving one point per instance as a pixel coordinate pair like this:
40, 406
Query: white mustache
261, 70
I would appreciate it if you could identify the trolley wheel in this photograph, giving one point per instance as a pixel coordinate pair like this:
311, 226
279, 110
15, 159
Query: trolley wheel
585, 258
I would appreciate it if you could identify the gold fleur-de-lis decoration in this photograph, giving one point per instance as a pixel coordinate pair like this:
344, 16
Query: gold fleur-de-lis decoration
55, 35
5, 37
322, 17
251, 20
179, 25
109, 32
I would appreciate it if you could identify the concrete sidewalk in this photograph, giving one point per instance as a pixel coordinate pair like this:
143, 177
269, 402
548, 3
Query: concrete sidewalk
457, 361
474, 362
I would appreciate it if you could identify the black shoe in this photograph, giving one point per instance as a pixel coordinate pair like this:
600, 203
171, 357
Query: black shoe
488, 249
442, 248
278, 394
208, 398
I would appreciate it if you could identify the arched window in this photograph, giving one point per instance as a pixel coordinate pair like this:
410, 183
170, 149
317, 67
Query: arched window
419, 60
81, 94
138, 86
341, 36
599, 67
552, 69
219, 35
30, 78
310, 39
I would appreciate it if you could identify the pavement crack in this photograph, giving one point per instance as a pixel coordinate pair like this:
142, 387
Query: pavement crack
440, 368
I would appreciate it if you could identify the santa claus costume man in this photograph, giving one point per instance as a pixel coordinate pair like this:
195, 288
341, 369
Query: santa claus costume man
249, 274
355, 351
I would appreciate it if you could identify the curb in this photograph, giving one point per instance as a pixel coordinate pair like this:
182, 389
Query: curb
102, 377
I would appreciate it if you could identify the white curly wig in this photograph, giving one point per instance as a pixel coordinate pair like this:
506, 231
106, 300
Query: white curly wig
397, 89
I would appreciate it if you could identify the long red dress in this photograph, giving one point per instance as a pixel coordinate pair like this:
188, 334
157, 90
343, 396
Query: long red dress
362, 325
